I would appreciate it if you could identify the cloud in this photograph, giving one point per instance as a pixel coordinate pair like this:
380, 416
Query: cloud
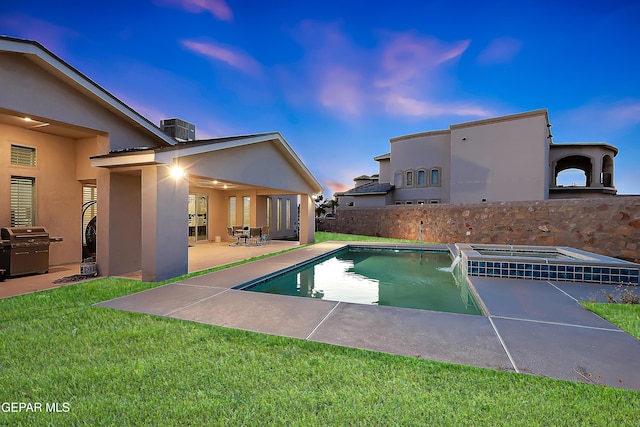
336, 187
340, 90
51, 36
500, 51
400, 105
605, 117
218, 8
403, 73
408, 58
230, 56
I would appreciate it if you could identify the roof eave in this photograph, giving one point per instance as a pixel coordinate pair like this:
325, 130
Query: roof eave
51, 62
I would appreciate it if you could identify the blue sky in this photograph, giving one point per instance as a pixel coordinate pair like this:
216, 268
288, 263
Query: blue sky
338, 79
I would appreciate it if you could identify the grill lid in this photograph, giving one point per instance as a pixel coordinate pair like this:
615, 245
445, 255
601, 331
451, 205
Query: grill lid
13, 233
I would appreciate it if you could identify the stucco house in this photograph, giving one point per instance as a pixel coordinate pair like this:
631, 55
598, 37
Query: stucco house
64, 139
506, 158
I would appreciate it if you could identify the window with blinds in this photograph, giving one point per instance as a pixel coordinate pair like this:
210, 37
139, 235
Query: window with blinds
23, 201
232, 211
287, 212
23, 156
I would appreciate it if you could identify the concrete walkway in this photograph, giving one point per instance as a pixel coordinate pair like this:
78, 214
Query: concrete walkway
532, 327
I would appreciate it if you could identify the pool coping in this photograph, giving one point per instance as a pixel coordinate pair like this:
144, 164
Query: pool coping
534, 327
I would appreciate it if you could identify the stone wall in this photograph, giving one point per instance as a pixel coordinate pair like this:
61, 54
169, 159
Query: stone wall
608, 226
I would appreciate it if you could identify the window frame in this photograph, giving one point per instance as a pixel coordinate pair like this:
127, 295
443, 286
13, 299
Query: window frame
16, 219
425, 181
439, 172
409, 182
33, 155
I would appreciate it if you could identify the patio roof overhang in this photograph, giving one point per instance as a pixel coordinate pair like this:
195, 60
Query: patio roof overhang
179, 153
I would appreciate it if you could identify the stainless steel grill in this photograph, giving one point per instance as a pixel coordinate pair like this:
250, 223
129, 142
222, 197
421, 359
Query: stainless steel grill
25, 250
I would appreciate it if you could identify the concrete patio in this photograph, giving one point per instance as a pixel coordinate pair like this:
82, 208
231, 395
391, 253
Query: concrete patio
533, 327
201, 257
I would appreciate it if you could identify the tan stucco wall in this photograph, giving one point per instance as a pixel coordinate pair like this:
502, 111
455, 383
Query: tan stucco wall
164, 224
421, 152
253, 164
58, 191
28, 89
500, 160
119, 223
384, 171
593, 152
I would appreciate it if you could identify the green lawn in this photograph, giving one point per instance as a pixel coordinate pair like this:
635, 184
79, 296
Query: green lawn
323, 236
625, 316
129, 369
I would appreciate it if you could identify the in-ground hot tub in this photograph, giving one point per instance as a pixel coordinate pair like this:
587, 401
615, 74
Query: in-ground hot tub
544, 263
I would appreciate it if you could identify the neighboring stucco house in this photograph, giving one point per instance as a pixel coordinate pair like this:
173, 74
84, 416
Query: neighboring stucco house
505, 158
64, 139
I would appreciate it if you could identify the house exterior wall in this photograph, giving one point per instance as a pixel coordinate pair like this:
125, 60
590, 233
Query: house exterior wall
120, 231
164, 224
250, 164
384, 168
421, 152
287, 229
367, 201
593, 152
58, 191
28, 89
499, 160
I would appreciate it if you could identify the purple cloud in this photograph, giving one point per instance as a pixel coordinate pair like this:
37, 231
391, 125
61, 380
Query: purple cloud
218, 8
500, 51
51, 36
405, 74
230, 56
405, 106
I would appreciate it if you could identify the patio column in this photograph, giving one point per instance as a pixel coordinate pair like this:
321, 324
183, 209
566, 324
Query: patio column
164, 224
118, 222
307, 219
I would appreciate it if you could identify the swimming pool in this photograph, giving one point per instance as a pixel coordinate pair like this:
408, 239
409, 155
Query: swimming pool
389, 277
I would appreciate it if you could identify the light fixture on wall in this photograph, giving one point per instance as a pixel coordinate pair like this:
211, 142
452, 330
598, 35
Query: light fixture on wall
177, 172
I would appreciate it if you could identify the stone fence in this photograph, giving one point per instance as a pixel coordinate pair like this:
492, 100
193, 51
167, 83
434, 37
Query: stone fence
607, 226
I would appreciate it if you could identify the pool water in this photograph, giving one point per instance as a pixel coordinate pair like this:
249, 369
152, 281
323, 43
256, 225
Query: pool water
410, 279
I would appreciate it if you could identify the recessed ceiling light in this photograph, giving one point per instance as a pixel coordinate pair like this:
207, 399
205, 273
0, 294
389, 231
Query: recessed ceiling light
27, 119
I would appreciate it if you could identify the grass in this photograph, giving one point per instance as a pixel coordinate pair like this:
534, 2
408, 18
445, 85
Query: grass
130, 369
625, 316
322, 236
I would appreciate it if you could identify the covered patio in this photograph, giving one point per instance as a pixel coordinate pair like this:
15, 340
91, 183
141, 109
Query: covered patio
143, 210
202, 256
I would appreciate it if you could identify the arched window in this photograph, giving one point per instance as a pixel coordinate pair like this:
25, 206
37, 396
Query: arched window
397, 179
421, 178
572, 164
572, 177
408, 179
435, 177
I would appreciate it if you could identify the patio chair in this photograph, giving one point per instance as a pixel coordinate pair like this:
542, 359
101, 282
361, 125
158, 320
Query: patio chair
232, 235
264, 234
255, 235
